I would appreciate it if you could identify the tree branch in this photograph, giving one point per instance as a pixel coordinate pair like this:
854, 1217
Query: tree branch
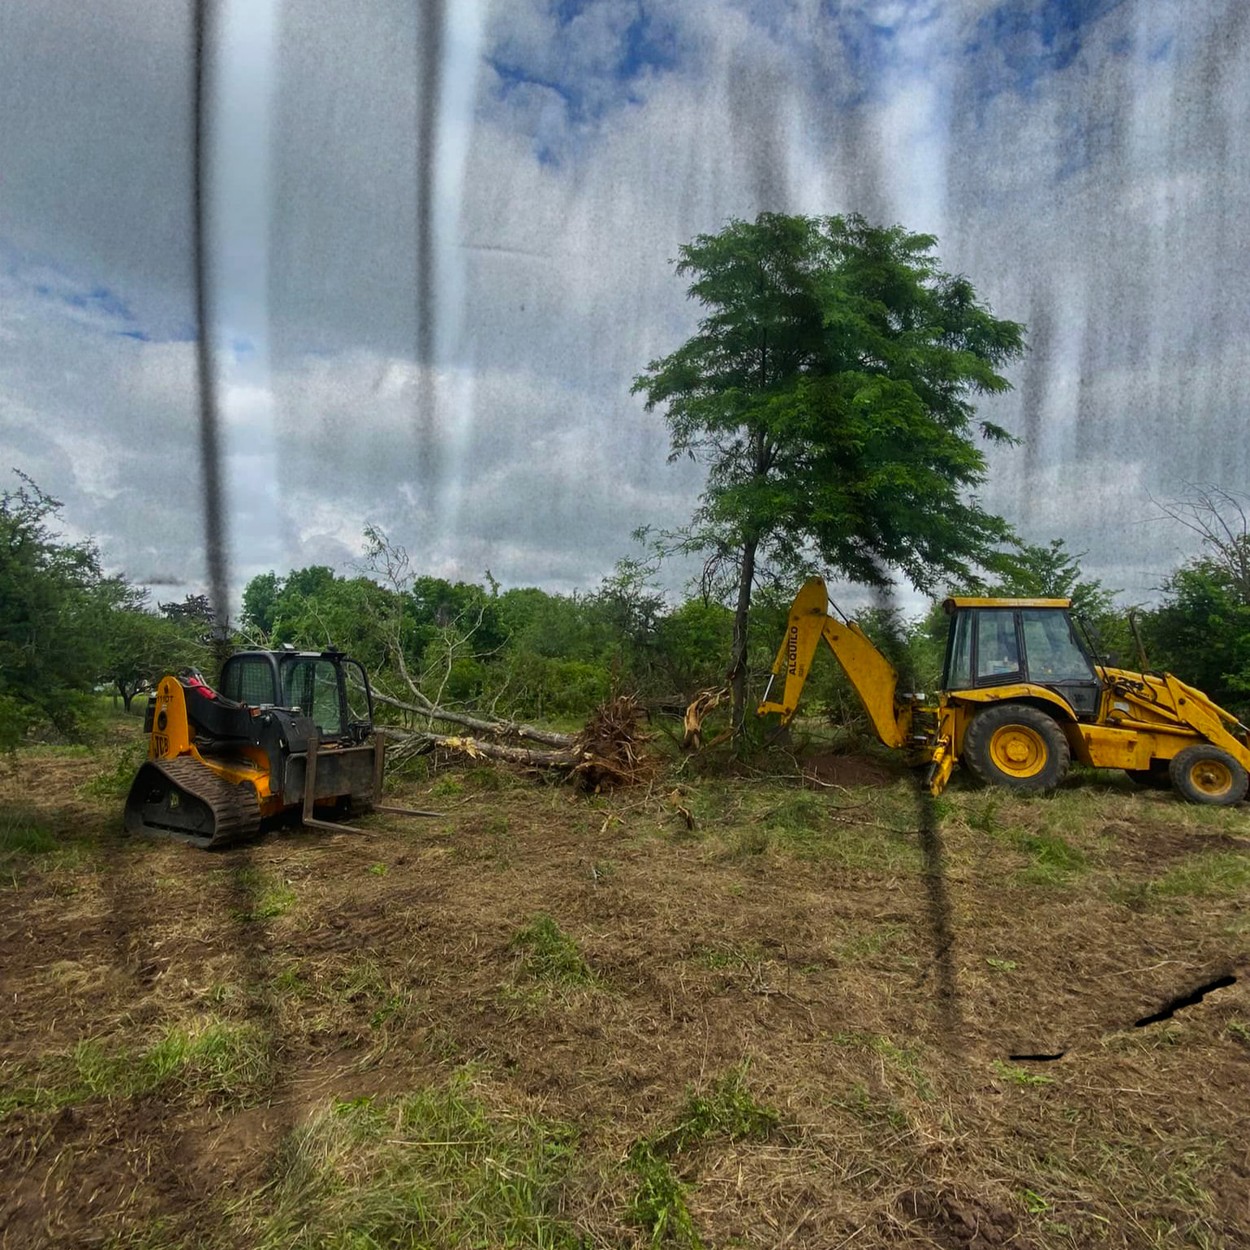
495, 728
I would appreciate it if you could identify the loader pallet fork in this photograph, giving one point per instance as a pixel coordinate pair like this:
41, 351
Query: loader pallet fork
308, 816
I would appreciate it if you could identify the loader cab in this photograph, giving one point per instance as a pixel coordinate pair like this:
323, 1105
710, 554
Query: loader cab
316, 682
1000, 642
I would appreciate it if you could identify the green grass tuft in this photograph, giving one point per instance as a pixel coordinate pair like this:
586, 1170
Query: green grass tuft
727, 1110
659, 1203
1221, 875
550, 954
219, 1060
1055, 861
1019, 1076
434, 1168
22, 834
266, 897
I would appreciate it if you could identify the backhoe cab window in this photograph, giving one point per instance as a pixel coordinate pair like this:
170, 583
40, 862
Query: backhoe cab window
1054, 653
312, 685
985, 649
959, 654
998, 650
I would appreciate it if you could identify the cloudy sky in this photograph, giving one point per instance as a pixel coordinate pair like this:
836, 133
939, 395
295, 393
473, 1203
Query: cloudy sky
442, 239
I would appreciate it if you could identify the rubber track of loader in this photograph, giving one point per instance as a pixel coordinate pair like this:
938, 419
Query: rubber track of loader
235, 811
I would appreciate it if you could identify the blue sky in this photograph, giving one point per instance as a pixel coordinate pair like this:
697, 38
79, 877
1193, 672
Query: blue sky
1081, 162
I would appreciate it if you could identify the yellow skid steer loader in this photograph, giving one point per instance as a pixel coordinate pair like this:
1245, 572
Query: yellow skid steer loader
280, 737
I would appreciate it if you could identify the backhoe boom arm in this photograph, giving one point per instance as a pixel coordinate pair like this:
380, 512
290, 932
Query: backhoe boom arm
869, 672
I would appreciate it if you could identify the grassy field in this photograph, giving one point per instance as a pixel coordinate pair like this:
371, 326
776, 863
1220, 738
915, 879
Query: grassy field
761, 1011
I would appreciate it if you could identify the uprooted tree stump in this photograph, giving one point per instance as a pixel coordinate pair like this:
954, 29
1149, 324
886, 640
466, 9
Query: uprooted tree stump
607, 752
692, 722
611, 746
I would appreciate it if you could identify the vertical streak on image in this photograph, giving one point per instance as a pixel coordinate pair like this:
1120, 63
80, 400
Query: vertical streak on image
938, 913
238, 242
462, 41
448, 59
215, 539
207, 154
429, 83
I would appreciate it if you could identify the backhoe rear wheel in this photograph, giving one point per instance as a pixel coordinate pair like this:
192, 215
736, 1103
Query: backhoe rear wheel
1016, 746
1205, 774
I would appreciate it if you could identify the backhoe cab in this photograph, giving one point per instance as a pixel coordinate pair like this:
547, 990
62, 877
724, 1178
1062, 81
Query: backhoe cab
1021, 698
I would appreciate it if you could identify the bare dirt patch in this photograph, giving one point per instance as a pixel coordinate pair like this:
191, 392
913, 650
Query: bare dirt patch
177, 1023
1153, 839
835, 769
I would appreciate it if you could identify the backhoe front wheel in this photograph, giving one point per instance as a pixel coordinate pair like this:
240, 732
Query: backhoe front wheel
1205, 774
1017, 746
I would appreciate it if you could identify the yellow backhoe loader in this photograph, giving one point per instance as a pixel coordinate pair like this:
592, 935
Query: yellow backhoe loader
1021, 698
286, 734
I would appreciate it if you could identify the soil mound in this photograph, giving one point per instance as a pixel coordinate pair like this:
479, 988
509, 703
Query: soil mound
830, 768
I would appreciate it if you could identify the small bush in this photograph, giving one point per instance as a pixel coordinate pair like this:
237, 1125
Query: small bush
115, 778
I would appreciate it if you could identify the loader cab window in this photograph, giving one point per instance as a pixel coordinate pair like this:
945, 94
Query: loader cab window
249, 679
312, 685
997, 647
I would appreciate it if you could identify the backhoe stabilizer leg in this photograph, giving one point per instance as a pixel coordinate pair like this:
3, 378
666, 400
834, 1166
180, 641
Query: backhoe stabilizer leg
940, 767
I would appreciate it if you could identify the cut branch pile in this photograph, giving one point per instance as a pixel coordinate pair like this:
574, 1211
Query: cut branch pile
606, 753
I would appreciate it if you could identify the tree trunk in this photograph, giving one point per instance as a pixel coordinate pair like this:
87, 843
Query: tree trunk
498, 728
738, 668
500, 751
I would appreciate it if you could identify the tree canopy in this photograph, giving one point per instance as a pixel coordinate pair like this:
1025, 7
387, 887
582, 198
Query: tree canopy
49, 650
830, 391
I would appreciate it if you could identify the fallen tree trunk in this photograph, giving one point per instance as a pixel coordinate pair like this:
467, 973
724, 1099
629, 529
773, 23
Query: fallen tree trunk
495, 728
475, 747
606, 753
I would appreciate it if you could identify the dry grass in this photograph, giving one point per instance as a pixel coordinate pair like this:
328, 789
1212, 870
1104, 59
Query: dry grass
704, 1012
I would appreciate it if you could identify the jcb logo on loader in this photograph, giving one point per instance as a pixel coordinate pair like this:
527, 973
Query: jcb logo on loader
792, 650
160, 744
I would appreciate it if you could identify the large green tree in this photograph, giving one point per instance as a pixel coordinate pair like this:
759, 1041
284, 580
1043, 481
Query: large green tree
1201, 632
52, 595
140, 647
829, 389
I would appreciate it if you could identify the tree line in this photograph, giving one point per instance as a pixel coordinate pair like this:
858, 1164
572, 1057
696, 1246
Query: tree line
69, 632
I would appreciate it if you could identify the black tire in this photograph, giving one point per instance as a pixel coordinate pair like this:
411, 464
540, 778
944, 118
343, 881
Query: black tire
1016, 746
1156, 777
1205, 774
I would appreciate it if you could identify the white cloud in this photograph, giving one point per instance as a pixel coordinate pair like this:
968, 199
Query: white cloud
1102, 200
